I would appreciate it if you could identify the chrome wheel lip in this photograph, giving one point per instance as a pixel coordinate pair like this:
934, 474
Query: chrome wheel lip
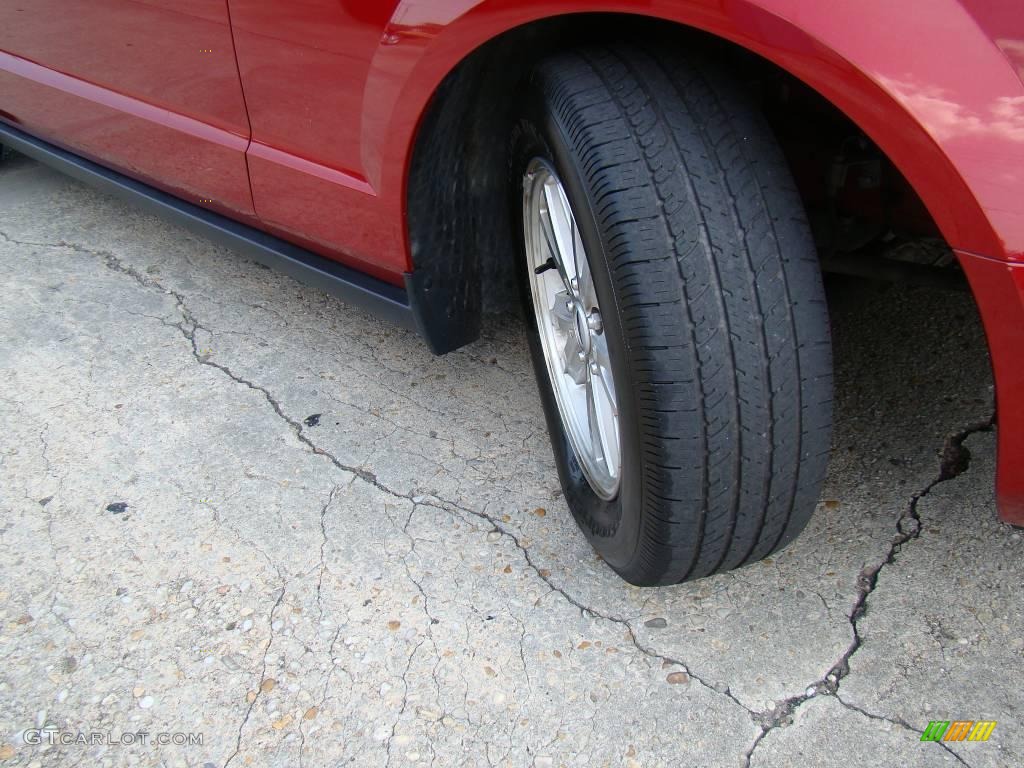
571, 328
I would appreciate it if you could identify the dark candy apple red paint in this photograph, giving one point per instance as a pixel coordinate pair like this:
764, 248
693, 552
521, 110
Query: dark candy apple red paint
300, 117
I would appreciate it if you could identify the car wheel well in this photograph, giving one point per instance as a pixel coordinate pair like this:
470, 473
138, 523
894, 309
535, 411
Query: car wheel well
864, 212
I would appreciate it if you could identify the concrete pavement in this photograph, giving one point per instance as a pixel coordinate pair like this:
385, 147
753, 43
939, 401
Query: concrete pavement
231, 506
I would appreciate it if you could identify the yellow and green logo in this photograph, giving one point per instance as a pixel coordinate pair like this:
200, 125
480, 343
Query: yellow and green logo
958, 730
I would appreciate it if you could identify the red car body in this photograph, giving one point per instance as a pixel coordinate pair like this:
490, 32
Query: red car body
300, 117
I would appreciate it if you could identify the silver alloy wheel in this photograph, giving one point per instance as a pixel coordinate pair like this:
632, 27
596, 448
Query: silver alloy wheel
570, 328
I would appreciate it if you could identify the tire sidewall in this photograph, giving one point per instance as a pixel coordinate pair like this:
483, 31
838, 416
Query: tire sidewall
612, 526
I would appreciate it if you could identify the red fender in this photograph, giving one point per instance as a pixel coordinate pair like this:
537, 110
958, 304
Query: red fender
937, 84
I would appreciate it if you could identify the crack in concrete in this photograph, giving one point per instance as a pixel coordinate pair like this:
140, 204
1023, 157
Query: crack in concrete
955, 459
405, 700
324, 694
323, 546
431, 621
65, 621
263, 672
188, 328
899, 722
954, 462
593, 612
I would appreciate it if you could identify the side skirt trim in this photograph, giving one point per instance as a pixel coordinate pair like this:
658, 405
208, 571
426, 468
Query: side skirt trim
351, 286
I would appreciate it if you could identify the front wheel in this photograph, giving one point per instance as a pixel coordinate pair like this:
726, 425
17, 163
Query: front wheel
677, 318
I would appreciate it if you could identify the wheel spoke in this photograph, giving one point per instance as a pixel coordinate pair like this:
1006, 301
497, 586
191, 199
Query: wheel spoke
608, 419
599, 353
579, 265
551, 240
575, 250
561, 226
586, 289
594, 421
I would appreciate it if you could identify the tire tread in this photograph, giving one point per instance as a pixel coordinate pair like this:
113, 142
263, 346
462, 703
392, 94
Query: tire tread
719, 289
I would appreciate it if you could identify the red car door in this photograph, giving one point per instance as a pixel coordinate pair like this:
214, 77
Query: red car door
149, 87
304, 67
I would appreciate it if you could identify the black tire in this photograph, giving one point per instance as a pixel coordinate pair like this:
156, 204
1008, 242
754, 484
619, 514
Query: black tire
719, 336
